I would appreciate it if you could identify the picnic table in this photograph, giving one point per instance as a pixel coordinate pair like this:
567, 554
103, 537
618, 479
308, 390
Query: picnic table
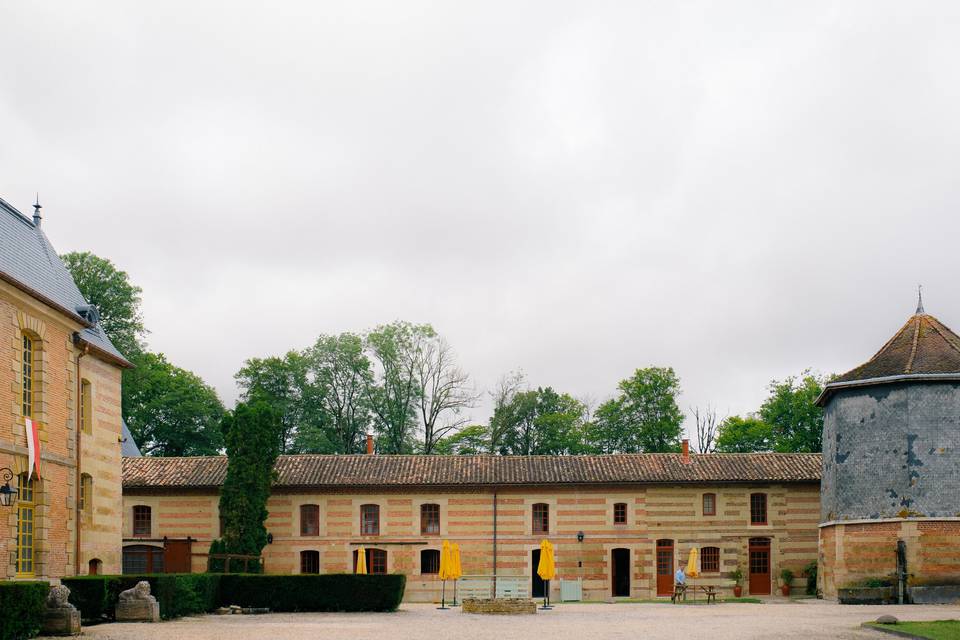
679, 591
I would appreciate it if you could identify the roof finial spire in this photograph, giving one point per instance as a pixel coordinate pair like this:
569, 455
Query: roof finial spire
36, 211
920, 299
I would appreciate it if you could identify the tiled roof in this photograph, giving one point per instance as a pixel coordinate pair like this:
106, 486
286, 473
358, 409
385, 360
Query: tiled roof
923, 346
29, 261
328, 471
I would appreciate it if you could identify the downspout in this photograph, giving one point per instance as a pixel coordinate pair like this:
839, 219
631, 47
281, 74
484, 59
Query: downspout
77, 422
494, 594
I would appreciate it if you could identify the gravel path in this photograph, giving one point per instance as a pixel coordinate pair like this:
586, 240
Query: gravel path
801, 619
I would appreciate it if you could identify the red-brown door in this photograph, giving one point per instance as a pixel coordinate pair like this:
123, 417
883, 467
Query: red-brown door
176, 556
664, 567
759, 550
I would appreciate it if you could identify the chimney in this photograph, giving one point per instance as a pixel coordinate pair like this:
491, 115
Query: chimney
36, 212
685, 452
369, 444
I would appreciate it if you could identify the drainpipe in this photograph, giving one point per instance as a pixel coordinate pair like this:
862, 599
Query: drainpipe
76, 501
494, 594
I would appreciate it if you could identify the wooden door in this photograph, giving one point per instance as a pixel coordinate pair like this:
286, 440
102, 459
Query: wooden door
176, 556
759, 550
537, 590
664, 567
620, 565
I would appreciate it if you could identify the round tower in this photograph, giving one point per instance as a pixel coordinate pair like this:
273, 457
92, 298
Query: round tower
891, 461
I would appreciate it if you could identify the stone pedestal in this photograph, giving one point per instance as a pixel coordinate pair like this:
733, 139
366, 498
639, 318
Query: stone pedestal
137, 605
499, 606
60, 618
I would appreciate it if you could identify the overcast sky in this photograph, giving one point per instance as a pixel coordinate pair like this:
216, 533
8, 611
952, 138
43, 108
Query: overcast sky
736, 190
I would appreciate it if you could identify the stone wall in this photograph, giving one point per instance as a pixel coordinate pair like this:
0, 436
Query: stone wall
501, 606
654, 512
892, 451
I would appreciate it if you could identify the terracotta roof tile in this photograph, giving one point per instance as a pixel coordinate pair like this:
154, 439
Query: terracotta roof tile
329, 471
923, 345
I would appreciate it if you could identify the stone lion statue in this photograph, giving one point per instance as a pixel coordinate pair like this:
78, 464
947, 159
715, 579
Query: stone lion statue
140, 592
58, 597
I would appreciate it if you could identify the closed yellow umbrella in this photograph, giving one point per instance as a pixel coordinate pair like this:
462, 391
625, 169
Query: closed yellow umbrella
546, 569
444, 573
361, 561
456, 570
692, 570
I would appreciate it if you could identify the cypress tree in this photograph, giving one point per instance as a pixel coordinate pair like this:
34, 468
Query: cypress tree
252, 434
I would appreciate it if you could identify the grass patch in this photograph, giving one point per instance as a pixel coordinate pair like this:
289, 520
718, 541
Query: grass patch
934, 630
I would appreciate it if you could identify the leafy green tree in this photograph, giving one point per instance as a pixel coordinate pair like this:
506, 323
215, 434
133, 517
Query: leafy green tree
539, 422
253, 435
792, 412
469, 441
744, 435
644, 417
171, 411
279, 382
394, 396
342, 376
116, 298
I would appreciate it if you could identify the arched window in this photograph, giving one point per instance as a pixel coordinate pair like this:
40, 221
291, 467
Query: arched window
620, 513
309, 520
429, 561
94, 567
430, 519
31, 346
86, 492
541, 518
86, 408
142, 520
26, 515
758, 508
709, 504
370, 519
710, 560
376, 561
309, 562
142, 558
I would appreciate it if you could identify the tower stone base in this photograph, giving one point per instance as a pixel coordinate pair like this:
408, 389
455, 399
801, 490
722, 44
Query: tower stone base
856, 551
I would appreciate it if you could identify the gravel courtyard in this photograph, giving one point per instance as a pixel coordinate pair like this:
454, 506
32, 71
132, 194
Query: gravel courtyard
799, 619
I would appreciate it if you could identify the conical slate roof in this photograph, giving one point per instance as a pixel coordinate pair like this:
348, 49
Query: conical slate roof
923, 346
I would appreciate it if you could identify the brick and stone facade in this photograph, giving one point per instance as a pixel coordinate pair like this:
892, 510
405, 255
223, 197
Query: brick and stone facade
654, 511
891, 461
38, 300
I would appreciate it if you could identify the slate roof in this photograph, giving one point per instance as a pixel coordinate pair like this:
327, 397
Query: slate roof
29, 261
331, 471
128, 446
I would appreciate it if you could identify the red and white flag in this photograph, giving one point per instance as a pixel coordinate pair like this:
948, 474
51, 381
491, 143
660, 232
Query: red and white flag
33, 448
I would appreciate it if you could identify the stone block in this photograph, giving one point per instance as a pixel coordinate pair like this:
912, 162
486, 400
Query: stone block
499, 606
60, 618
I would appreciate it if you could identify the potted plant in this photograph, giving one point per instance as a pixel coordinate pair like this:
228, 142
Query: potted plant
737, 576
786, 576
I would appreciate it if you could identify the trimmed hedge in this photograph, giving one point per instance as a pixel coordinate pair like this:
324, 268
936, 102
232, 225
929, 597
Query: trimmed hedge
22, 605
323, 592
179, 594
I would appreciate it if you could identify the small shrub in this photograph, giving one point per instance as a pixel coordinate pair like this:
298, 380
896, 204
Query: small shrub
324, 592
810, 571
737, 575
21, 605
786, 576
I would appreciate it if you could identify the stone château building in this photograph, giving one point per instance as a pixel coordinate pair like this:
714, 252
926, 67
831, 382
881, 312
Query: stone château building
891, 461
60, 375
621, 523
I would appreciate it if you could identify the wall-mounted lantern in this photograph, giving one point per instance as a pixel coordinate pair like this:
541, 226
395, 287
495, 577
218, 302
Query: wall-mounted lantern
269, 538
579, 536
8, 495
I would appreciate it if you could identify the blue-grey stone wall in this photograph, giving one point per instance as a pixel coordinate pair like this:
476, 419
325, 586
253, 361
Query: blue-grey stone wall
891, 451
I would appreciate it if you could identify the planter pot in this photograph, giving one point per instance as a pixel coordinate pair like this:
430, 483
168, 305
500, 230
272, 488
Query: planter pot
785, 590
737, 591
867, 595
